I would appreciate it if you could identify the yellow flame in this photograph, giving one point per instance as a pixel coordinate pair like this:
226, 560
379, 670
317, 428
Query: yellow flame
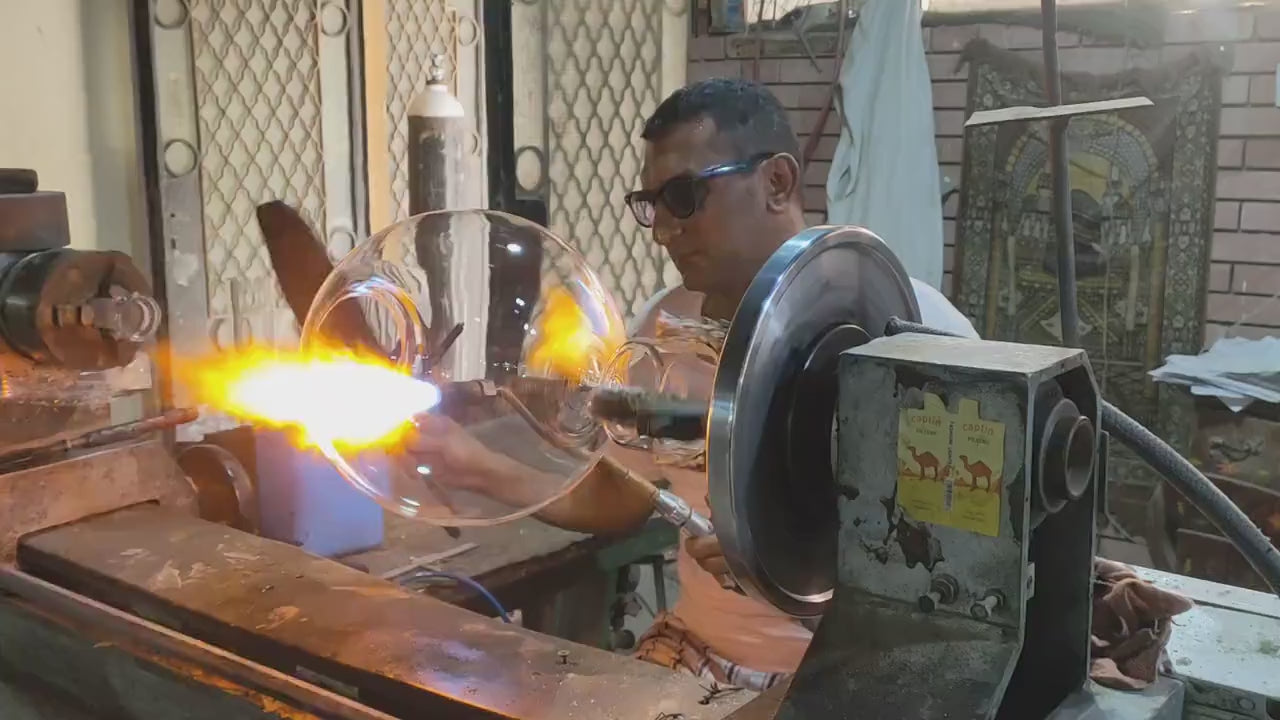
331, 397
565, 343
336, 397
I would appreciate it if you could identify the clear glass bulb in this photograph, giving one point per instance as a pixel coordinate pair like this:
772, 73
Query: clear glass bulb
673, 367
512, 326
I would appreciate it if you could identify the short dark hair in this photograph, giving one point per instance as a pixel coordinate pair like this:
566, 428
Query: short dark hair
746, 114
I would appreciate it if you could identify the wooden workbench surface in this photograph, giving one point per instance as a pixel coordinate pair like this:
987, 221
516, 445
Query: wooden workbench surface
560, 580
398, 652
496, 548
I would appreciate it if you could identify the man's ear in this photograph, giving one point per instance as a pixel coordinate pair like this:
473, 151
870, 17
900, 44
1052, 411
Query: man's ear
782, 178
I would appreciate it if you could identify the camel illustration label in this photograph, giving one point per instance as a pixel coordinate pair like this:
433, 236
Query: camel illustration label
951, 466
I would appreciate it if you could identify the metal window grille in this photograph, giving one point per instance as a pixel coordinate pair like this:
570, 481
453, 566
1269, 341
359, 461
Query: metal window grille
245, 101
258, 98
601, 77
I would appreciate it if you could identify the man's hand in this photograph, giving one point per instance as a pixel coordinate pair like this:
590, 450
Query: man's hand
455, 458
706, 551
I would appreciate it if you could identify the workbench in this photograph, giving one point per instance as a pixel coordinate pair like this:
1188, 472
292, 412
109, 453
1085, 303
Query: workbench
203, 590
562, 582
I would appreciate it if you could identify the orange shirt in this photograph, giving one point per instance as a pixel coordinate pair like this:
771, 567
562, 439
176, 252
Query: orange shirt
740, 629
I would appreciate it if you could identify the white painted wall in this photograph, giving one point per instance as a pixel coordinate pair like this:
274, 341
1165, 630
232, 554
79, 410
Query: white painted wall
66, 110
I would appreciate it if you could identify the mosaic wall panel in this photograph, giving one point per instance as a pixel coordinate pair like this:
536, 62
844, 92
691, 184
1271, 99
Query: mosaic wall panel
1142, 186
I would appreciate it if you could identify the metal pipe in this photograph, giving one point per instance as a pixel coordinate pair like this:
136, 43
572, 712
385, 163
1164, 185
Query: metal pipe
1069, 313
675, 510
55, 447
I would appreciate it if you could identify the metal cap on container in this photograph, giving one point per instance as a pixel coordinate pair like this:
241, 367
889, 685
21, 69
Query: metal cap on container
436, 101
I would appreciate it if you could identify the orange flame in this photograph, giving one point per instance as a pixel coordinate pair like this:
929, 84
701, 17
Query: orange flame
565, 342
332, 397
336, 397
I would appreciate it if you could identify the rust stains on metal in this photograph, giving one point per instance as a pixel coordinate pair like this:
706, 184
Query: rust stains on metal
268, 704
100, 482
919, 546
404, 654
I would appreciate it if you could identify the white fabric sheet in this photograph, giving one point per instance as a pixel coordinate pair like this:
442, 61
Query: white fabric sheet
884, 175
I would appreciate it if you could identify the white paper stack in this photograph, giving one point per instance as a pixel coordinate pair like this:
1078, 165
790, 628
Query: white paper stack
1237, 371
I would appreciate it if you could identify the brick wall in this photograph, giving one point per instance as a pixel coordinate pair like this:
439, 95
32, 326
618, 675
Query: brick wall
1245, 275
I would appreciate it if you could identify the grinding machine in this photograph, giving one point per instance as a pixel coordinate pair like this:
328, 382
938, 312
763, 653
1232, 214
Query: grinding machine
133, 586
69, 319
932, 499
72, 326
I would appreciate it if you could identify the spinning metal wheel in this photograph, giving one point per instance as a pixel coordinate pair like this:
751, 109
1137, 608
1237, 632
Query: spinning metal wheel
769, 459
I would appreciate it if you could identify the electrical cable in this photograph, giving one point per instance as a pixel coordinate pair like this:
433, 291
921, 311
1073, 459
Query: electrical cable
1230, 520
1225, 515
464, 580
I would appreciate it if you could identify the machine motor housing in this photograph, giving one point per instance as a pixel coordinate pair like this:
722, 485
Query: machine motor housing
965, 478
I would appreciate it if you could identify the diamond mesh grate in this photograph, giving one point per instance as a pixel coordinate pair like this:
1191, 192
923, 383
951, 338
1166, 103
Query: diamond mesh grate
416, 30
604, 77
258, 98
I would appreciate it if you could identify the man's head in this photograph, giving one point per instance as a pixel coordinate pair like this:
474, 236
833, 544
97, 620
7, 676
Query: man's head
720, 182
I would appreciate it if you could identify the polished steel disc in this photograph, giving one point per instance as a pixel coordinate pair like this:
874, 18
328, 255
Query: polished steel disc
769, 459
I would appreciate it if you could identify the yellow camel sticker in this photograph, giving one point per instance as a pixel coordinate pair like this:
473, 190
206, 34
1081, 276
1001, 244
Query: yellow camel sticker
951, 466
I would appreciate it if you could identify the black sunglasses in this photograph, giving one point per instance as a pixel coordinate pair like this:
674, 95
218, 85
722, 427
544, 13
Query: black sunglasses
683, 195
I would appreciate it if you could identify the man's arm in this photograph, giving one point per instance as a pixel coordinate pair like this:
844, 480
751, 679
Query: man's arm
606, 502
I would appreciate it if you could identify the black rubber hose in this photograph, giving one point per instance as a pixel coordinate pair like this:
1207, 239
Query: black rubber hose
1225, 515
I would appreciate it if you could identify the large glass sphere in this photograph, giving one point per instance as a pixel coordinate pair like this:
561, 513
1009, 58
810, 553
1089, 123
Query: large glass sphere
514, 329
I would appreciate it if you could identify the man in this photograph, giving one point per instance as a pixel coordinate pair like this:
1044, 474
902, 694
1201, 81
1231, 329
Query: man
721, 190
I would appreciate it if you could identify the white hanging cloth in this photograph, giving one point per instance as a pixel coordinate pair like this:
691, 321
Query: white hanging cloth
884, 175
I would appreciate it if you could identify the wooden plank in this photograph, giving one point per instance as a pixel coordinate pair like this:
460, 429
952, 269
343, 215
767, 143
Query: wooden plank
391, 649
427, 562
524, 562
499, 548
1242, 446
1214, 558
1261, 505
51, 669
90, 622
97, 482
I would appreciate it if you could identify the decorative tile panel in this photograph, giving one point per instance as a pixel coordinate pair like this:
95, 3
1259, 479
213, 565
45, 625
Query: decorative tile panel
253, 102
257, 83
604, 75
